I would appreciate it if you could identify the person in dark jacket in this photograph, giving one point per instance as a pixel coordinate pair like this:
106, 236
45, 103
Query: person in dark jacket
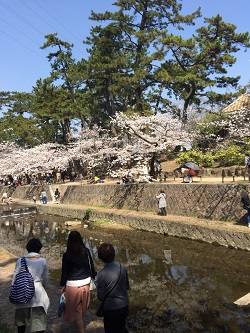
245, 200
113, 277
77, 270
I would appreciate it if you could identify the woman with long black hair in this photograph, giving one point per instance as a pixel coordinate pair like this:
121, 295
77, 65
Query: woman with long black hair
77, 270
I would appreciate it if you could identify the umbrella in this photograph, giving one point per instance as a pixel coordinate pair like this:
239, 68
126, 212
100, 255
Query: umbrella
192, 165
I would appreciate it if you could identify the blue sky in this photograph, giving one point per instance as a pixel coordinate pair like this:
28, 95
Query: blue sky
24, 23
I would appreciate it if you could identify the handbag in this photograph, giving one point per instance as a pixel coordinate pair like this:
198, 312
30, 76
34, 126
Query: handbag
92, 285
23, 288
100, 310
61, 305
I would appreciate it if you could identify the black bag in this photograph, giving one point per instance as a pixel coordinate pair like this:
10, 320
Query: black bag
61, 305
99, 312
23, 288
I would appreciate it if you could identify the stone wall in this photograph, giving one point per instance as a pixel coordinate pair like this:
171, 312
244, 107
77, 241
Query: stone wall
212, 201
206, 231
217, 201
107, 201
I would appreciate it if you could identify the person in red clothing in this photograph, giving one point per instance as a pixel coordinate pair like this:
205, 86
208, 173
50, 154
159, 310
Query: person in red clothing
189, 174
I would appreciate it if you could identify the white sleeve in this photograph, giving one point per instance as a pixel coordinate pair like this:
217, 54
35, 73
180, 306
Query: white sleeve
16, 270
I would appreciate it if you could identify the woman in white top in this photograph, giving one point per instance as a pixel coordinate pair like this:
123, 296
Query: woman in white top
34, 313
162, 202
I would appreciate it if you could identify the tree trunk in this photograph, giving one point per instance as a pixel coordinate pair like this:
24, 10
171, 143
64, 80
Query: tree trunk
187, 102
152, 165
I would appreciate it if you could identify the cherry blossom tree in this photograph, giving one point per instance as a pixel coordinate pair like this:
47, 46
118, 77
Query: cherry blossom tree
138, 142
225, 128
151, 136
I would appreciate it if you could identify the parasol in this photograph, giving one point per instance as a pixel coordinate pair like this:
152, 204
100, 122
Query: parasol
192, 165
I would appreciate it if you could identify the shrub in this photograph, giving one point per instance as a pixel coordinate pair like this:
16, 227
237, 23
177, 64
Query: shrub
232, 155
196, 156
224, 157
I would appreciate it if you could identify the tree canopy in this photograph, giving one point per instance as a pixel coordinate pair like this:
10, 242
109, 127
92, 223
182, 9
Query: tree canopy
145, 58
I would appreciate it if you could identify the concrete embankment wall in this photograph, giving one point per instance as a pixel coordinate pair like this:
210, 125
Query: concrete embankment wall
220, 233
214, 201
102, 201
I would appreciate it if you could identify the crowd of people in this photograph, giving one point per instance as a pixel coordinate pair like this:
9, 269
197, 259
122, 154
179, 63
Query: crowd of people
54, 177
77, 271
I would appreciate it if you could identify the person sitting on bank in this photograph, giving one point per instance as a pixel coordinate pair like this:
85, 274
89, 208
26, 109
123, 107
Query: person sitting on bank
97, 180
125, 179
4, 197
189, 174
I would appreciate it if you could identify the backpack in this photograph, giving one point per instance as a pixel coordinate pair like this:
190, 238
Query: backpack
23, 288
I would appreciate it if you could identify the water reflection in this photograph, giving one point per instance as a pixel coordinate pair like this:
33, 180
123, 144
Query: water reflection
176, 285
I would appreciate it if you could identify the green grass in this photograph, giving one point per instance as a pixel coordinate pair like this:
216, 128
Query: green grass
105, 206
102, 221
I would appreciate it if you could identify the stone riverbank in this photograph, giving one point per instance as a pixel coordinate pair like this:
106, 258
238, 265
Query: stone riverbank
205, 212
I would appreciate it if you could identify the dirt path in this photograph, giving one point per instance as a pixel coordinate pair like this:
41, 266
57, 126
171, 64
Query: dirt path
7, 263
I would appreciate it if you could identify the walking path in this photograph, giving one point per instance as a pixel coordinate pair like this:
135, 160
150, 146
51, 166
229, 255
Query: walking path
189, 220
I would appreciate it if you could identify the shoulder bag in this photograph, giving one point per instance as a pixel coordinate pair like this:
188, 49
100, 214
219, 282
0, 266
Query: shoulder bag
100, 310
92, 285
23, 288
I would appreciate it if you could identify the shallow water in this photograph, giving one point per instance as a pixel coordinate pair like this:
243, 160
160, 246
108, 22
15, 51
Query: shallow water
189, 288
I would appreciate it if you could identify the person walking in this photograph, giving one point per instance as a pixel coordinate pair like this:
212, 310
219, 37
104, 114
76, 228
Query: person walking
77, 270
44, 197
112, 289
57, 195
33, 315
162, 202
247, 164
158, 169
245, 200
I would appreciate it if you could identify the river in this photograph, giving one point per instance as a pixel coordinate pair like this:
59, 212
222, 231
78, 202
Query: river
177, 285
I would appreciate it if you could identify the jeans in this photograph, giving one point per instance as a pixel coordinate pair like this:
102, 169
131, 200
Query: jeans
44, 200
